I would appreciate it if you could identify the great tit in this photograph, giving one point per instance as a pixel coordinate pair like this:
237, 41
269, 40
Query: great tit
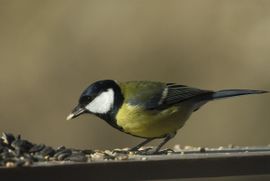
147, 109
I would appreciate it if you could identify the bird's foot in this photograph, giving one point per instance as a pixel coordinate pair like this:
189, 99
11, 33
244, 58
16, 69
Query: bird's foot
154, 151
167, 151
121, 151
148, 151
144, 151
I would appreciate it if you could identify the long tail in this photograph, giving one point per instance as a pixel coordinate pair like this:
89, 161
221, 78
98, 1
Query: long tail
235, 92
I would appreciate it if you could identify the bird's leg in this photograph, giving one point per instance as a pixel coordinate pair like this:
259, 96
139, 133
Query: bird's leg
166, 139
135, 148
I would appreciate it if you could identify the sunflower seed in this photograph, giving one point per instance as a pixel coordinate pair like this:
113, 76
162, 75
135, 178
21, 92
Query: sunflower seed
37, 148
21, 145
77, 157
8, 138
47, 151
62, 154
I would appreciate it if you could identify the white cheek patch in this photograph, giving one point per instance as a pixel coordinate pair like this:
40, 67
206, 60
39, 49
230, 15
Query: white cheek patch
102, 103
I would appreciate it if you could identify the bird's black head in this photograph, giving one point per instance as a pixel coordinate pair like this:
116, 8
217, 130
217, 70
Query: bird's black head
102, 98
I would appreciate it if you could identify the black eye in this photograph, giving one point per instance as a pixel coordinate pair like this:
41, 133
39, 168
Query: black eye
85, 99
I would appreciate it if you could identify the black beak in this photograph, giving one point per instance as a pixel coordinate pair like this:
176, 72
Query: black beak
78, 110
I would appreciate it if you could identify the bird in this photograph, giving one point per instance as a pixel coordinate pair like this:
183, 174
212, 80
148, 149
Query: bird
147, 109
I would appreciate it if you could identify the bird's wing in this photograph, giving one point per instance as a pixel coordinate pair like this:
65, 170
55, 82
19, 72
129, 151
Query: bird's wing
142, 93
156, 95
175, 94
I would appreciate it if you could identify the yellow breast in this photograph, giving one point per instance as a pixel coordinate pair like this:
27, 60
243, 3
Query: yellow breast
148, 124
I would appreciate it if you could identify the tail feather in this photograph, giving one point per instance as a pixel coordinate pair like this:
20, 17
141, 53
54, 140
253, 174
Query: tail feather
235, 92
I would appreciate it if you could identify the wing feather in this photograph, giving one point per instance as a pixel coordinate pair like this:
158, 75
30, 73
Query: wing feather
177, 94
158, 95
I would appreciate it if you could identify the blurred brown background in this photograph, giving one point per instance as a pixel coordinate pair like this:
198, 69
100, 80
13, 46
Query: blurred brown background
51, 50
